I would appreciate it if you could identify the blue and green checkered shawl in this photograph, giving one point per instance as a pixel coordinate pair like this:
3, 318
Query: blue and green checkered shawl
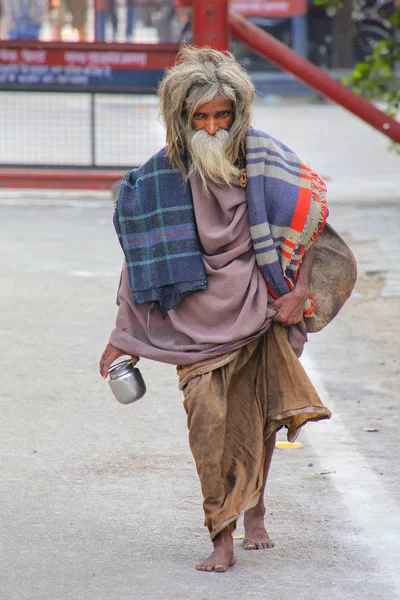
155, 223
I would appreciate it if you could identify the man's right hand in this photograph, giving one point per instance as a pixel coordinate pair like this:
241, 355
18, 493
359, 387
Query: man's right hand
110, 354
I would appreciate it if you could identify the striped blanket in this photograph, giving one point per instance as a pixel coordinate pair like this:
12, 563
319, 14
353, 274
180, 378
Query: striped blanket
155, 223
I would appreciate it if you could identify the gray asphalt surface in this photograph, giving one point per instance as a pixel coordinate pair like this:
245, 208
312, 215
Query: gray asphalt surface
102, 502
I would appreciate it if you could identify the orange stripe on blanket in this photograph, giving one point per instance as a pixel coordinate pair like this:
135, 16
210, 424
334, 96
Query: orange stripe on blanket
308, 312
302, 209
321, 200
289, 244
286, 254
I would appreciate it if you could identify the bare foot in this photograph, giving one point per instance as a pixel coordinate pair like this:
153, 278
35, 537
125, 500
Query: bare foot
256, 536
222, 557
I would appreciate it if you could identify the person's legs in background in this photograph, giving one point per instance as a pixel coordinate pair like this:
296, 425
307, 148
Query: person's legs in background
2, 21
58, 15
163, 21
132, 15
78, 10
113, 16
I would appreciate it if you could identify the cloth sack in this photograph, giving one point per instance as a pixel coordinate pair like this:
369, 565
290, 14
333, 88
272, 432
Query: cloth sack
333, 278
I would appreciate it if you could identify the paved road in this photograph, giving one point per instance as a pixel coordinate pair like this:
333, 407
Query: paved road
102, 502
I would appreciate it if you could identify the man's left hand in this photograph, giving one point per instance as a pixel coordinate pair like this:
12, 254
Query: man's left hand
290, 306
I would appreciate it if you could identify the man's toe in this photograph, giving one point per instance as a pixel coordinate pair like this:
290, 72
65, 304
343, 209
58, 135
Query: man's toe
254, 545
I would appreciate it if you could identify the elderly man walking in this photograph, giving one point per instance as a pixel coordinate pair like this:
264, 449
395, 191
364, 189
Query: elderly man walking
217, 231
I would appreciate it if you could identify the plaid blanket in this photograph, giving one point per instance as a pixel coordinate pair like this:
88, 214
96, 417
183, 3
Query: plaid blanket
155, 223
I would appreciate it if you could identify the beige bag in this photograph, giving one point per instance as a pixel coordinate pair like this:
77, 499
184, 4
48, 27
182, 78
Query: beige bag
333, 278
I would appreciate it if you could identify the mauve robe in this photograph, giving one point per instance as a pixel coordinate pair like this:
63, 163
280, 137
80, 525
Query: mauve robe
228, 315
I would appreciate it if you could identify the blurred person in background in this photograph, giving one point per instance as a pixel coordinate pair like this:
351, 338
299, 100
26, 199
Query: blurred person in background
108, 13
132, 16
2, 21
147, 9
62, 9
163, 19
24, 18
184, 11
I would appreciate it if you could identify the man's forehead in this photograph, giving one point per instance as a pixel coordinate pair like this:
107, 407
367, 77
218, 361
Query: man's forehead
216, 104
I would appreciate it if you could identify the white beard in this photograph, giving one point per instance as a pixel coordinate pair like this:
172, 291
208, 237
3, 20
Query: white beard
208, 159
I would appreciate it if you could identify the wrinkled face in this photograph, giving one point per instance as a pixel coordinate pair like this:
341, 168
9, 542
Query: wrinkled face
213, 115
208, 141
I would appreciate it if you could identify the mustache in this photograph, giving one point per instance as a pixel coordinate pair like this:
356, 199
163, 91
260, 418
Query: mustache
202, 134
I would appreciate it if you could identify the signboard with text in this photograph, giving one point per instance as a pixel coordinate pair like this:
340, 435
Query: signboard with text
77, 68
269, 8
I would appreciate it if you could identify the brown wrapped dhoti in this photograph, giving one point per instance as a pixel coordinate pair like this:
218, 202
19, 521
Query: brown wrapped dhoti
234, 403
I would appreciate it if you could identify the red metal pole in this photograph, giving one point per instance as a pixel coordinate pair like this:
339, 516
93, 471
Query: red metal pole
211, 24
286, 59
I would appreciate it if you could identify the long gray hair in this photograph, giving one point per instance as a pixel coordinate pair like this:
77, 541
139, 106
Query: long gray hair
198, 76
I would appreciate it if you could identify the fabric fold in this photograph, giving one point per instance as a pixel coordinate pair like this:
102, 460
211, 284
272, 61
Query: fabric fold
233, 404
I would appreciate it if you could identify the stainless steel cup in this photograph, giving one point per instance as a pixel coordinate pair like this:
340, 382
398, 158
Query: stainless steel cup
126, 382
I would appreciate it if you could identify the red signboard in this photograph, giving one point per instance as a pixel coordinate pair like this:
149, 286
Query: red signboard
66, 66
269, 8
74, 55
